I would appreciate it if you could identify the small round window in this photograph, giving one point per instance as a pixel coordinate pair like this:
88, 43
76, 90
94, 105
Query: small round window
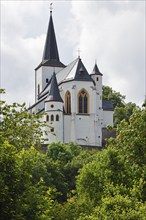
52, 106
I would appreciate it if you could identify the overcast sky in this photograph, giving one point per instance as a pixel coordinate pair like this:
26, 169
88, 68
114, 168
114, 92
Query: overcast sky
110, 32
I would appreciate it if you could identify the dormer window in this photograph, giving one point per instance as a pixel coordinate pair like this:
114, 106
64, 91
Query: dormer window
81, 71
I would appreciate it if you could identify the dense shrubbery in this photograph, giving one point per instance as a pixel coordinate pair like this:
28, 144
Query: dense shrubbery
68, 182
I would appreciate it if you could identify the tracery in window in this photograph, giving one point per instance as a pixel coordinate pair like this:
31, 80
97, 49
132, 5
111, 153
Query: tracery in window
68, 102
83, 101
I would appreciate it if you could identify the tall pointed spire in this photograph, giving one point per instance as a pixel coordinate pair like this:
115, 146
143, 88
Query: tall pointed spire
51, 49
50, 54
54, 94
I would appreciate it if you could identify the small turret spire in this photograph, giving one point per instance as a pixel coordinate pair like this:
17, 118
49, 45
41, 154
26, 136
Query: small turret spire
96, 70
54, 94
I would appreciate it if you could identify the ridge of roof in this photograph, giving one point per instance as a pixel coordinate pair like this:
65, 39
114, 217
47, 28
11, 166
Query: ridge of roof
54, 94
74, 71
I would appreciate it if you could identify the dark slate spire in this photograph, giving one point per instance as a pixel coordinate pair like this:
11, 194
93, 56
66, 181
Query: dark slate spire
50, 49
96, 70
51, 55
81, 72
54, 94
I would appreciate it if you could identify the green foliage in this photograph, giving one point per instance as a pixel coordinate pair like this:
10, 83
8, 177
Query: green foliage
119, 208
124, 113
115, 97
24, 193
122, 110
115, 180
68, 182
20, 128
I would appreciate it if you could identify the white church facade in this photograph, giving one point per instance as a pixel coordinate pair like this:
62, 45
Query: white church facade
70, 97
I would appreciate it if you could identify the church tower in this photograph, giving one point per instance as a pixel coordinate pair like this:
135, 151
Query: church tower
97, 77
54, 112
50, 61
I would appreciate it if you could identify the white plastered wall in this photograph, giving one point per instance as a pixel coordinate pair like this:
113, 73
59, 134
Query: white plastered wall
107, 118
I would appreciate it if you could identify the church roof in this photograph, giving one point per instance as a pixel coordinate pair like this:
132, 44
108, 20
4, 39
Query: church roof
74, 71
96, 70
50, 54
54, 94
107, 105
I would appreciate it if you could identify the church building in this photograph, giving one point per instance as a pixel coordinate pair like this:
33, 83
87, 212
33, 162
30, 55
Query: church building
70, 97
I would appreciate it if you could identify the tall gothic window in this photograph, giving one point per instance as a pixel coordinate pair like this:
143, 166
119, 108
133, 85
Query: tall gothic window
68, 103
83, 101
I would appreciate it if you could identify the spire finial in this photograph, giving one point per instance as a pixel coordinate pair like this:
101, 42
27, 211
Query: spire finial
79, 51
51, 8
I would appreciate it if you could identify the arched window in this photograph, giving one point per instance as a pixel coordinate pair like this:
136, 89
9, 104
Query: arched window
47, 117
57, 117
83, 101
68, 103
52, 117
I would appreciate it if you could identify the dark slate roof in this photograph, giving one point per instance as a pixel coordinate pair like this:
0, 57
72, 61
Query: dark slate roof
81, 73
54, 94
107, 105
54, 63
51, 55
96, 71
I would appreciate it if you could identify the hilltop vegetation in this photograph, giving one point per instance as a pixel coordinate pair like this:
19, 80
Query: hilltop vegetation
68, 182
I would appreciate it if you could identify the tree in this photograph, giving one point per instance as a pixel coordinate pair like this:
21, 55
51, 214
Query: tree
114, 182
24, 191
115, 97
124, 113
20, 128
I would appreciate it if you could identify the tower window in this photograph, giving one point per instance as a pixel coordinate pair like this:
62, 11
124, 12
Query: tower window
57, 117
83, 99
68, 103
38, 89
97, 79
47, 117
52, 117
47, 80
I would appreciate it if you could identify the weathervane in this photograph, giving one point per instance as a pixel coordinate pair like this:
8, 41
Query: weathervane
51, 7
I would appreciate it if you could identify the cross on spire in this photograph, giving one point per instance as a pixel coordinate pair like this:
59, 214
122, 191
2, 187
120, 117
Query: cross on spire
51, 7
79, 51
